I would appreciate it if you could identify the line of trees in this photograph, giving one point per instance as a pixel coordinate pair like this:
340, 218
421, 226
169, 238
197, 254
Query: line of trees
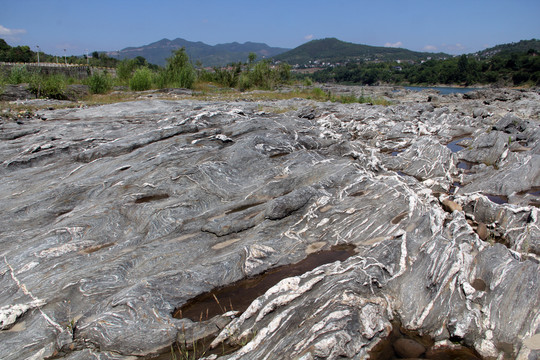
502, 69
23, 54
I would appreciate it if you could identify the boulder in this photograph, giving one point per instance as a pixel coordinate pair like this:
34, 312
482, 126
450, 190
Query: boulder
16, 92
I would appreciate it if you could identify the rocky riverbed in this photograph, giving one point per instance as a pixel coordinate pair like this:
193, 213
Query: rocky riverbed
117, 216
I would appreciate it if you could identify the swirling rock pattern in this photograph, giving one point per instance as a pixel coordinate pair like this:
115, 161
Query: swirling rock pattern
116, 215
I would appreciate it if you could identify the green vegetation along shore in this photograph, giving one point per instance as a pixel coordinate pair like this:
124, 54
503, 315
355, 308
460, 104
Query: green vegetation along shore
503, 67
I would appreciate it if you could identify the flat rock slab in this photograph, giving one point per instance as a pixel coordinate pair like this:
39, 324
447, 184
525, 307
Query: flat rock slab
117, 215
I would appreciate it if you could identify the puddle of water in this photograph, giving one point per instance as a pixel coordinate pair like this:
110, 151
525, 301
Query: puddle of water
392, 347
149, 198
465, 165
454, 145
240, 295
532, 195
497, 199
454, 187
395, 153
535, 191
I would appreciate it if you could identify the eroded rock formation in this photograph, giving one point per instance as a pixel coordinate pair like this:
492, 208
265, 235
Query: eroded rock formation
115, 216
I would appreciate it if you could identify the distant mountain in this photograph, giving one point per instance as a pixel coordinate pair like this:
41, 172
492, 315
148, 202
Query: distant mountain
208, 55
519, 47
333, 50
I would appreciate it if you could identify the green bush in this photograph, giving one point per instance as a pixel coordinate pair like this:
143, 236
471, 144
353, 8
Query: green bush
319, 93
124, 70
99, 83
141, 80
19, 75
244, 82
178, 73
230, 76
49, 86
308, 81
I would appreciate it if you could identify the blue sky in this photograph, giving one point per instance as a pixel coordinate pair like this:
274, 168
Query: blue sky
452, 26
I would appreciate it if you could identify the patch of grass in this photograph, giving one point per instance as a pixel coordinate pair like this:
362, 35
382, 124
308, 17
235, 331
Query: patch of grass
104, 99
277, 110
318, 94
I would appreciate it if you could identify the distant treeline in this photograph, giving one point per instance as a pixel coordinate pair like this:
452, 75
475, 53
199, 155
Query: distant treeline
23, 54
503, 69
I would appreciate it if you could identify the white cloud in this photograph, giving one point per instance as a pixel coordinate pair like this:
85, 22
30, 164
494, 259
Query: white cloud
308, 37
11, 33
430, 48
394, 45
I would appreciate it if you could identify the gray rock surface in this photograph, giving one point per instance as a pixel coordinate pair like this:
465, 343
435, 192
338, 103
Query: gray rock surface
117, 215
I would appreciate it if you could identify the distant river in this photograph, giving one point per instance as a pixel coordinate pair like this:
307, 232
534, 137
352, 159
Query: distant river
443, 90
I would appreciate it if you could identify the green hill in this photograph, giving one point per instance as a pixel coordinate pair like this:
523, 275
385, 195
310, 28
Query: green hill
332, 50
522, 46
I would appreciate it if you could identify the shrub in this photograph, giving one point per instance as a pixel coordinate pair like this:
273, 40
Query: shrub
319, 93
19, 75
124, 70
99, 83
179, 72
141, 80
230, 76
244, 82
347, 99
50, 86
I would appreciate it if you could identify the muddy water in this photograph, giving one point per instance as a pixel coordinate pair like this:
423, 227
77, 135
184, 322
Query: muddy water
406, 344
240, 295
